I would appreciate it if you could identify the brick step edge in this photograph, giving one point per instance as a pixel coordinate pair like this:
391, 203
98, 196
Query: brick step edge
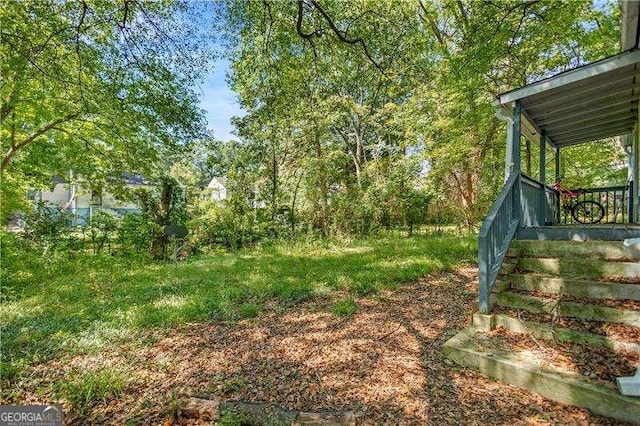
538, 305
577, 288
488, 322
569, 390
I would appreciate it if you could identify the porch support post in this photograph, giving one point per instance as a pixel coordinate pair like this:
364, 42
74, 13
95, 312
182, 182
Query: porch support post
543, 179
515, 159
557, 158
515, 138
635, 184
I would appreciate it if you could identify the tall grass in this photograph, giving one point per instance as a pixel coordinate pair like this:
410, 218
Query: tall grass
78, 304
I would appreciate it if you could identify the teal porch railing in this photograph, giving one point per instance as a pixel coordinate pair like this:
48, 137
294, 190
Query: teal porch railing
496, 233
539, 202
527, 203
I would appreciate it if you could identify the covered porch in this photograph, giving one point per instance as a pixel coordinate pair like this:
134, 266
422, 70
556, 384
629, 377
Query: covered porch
580, 106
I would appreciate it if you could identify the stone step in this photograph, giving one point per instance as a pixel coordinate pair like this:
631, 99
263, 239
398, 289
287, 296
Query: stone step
549, 332
518, 369
571, 287
580, 268
603, 250
508, 267
582, 311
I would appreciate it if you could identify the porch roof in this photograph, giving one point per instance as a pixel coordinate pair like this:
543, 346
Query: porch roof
591, 102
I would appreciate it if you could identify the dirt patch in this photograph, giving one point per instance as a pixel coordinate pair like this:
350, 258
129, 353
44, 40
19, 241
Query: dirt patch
383, 363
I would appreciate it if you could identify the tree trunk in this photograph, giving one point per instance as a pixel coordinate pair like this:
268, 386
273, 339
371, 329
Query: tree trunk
322, 183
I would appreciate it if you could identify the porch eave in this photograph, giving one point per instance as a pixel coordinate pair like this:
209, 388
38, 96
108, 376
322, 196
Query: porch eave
588, 103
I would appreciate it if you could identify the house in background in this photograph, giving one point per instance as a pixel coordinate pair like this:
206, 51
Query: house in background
77, 197
216, 190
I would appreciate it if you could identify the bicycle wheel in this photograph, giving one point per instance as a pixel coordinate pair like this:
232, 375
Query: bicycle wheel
587, 212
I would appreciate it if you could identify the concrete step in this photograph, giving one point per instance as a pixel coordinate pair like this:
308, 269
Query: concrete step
550, 332
580, 268
524, 371
572, 287
582, 311
603, 250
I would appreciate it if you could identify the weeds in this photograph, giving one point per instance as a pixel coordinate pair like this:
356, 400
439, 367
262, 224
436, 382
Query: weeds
75, 305
97, 386
345, 307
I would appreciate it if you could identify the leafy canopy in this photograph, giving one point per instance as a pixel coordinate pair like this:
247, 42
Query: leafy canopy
97, 87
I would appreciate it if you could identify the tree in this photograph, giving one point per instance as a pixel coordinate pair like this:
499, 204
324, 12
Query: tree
487, 48
380, 80
100, 88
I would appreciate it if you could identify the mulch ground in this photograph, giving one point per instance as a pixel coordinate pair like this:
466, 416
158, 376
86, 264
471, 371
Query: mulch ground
384, 363
598, 364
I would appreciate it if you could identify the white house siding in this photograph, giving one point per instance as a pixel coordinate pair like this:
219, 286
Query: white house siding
84, 205
217, 188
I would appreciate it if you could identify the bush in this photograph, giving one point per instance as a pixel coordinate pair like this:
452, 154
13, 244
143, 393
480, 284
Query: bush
101, 228
136, 232
166, 204
47, 226
218, 224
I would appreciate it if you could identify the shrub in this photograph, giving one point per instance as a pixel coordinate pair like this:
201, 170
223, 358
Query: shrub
46, 225
166, 204
101, 228
136, 232
219, 224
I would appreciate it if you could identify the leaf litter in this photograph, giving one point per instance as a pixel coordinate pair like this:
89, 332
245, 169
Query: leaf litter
384, 363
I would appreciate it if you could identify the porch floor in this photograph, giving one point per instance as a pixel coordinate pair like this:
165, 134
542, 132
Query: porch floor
607, 232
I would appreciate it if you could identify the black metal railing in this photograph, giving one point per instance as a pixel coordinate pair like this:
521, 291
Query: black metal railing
614, 200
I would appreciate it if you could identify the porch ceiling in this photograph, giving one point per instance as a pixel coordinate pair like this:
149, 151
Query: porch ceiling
592, 102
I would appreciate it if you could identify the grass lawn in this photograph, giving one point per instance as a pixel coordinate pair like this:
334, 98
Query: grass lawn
355, 327
71, 304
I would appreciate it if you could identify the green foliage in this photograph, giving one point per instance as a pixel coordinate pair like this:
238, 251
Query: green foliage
91, 387
58, 304
46, 221
414, 207
220, 224
100, 88
231, 418
345, 307
101, 229
593, 165
165, 204
47, 226
135, 232
338, 102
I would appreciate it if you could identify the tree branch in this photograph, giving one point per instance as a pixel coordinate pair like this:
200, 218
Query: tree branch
434, 27
342, 36
88, 144
15, 148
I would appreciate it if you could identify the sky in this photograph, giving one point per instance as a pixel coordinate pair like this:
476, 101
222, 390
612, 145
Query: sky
219, 102
216, 99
